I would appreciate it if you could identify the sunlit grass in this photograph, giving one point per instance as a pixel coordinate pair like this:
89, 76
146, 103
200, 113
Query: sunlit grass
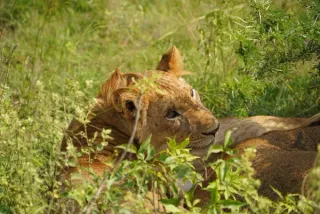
50, 49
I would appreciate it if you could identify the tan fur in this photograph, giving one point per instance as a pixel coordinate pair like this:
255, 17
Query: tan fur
171, 61
284, 153
243, 129
116, 106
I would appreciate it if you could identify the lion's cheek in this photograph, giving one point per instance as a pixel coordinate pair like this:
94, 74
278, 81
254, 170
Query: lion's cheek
159, 143
170, 129
179, 130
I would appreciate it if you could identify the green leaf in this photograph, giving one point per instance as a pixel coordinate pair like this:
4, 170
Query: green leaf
172, 201
145, 145
150, 153
76, 176
172, 144
223, 170
231, 203
143, 148
227, 139
184, 143
110, 182
163, 156
214, 193
172, 209
100, 147
170, 159
131, 148
277, 192
181, 171
231, 151
215, 149
36, 210
4, 209
146, 150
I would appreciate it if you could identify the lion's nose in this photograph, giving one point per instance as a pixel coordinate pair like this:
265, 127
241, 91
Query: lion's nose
213, 130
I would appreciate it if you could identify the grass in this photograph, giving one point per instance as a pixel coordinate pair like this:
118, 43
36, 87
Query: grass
54, 55
83, 40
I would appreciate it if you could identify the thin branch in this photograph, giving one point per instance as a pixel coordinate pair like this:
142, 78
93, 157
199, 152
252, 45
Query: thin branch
38, 33
47, 18
153, 197
7, 71
88, 208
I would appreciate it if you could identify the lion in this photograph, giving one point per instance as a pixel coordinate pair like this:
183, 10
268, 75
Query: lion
286, 150
177, 112
174, 112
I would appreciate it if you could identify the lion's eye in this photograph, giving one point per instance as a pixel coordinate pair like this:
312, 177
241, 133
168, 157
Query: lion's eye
172, 114
193, 93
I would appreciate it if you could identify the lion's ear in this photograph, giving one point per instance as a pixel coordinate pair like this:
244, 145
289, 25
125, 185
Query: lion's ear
125, 100
115, 81
171, 62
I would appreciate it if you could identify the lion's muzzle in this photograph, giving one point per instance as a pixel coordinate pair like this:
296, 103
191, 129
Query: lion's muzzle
213, 131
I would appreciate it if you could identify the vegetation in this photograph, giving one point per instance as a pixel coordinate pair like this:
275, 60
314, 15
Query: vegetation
246, 57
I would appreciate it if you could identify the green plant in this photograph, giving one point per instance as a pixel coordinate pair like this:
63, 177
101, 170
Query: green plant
248, 57
260, 56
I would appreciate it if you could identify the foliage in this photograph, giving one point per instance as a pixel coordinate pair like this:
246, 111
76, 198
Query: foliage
248, 57
258, 59
127, 189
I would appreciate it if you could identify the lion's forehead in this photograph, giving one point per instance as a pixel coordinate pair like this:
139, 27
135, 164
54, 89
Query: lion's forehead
172, 82
174, 93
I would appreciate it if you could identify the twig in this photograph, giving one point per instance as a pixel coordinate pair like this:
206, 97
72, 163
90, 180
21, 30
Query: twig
39, 31
315, 20
87, 209
7, 71
153, 197
47, 17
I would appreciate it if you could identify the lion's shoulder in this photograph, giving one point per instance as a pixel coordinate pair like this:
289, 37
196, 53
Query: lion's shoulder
247, 128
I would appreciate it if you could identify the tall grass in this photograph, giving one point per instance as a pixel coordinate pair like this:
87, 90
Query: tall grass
246, 58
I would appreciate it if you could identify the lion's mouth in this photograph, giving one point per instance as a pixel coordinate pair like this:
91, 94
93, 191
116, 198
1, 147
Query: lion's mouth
200, 149
195, 145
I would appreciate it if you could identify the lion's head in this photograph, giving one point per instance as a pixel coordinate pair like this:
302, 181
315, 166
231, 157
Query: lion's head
173, 111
